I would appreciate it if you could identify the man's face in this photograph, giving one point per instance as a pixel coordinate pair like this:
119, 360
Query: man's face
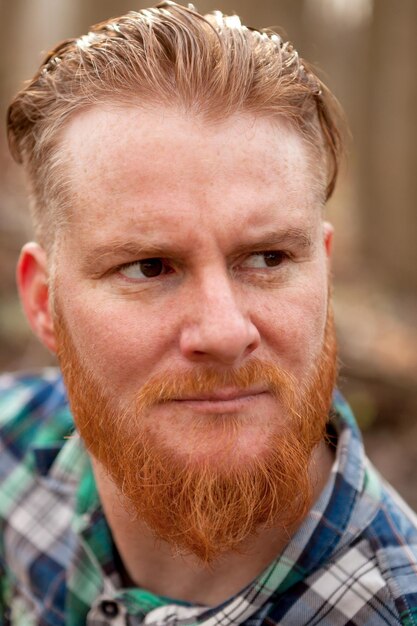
194, 251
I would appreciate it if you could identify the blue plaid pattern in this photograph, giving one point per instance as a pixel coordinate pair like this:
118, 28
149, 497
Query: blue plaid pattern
353, 561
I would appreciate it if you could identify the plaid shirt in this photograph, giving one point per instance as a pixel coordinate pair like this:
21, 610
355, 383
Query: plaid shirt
353, 561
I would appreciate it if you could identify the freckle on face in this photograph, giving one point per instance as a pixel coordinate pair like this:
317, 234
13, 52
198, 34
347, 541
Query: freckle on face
206, 190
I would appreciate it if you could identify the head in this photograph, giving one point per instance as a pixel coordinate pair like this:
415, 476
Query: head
178, 166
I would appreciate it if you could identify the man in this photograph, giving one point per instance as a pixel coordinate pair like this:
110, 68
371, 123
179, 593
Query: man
178, 167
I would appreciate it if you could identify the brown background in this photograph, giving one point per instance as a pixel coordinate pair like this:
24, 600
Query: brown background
367, 53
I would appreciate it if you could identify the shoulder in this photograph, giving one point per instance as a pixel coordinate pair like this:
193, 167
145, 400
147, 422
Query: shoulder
378, 565
33, 409
392, 537
38, 479
379, 543
371, 576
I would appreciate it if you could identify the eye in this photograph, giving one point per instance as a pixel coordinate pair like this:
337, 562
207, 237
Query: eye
262, 260
146, 268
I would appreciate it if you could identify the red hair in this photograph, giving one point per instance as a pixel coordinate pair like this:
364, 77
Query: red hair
211, 66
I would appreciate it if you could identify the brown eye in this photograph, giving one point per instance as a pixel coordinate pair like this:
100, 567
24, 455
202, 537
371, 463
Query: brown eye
147, 268
262, 260
151, 267
272, 259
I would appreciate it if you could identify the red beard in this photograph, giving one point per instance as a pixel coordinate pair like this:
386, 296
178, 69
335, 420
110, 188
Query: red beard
208, 508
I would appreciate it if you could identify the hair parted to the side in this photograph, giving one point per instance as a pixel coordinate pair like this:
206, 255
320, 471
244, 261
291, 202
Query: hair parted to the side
211, 66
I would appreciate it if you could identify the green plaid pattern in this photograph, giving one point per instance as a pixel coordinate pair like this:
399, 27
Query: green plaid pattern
352, 562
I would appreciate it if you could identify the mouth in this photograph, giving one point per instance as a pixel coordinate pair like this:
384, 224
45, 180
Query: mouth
222, 400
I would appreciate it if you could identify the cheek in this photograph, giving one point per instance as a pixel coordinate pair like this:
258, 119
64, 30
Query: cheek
122, 343
293, 327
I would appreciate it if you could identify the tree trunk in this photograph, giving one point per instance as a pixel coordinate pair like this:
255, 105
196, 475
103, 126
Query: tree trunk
389, 175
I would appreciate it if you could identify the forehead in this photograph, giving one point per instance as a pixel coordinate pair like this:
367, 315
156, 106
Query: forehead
130, 167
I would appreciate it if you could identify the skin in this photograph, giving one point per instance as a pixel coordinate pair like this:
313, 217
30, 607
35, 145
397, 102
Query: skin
209, 200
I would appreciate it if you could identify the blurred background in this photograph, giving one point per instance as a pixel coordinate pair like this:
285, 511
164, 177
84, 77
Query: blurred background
366, 51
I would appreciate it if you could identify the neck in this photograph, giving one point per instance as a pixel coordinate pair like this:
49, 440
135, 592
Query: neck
152, 565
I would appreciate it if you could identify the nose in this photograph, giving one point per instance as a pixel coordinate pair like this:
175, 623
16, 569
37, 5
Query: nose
218, 328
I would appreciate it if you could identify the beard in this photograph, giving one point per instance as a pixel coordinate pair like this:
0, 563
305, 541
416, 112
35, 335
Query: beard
216, 505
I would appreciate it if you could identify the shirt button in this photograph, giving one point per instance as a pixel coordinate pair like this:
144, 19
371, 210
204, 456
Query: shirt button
109, 608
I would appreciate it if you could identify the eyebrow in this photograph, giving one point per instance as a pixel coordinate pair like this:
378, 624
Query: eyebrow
122, 248
292, 237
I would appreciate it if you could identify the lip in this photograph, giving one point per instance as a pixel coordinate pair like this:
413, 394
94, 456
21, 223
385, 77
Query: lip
221, 401
228, 393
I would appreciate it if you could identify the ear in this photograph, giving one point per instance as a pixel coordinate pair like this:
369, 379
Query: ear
328, 232
33, 284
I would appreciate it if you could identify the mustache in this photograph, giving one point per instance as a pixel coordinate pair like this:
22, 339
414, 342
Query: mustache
172, 385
